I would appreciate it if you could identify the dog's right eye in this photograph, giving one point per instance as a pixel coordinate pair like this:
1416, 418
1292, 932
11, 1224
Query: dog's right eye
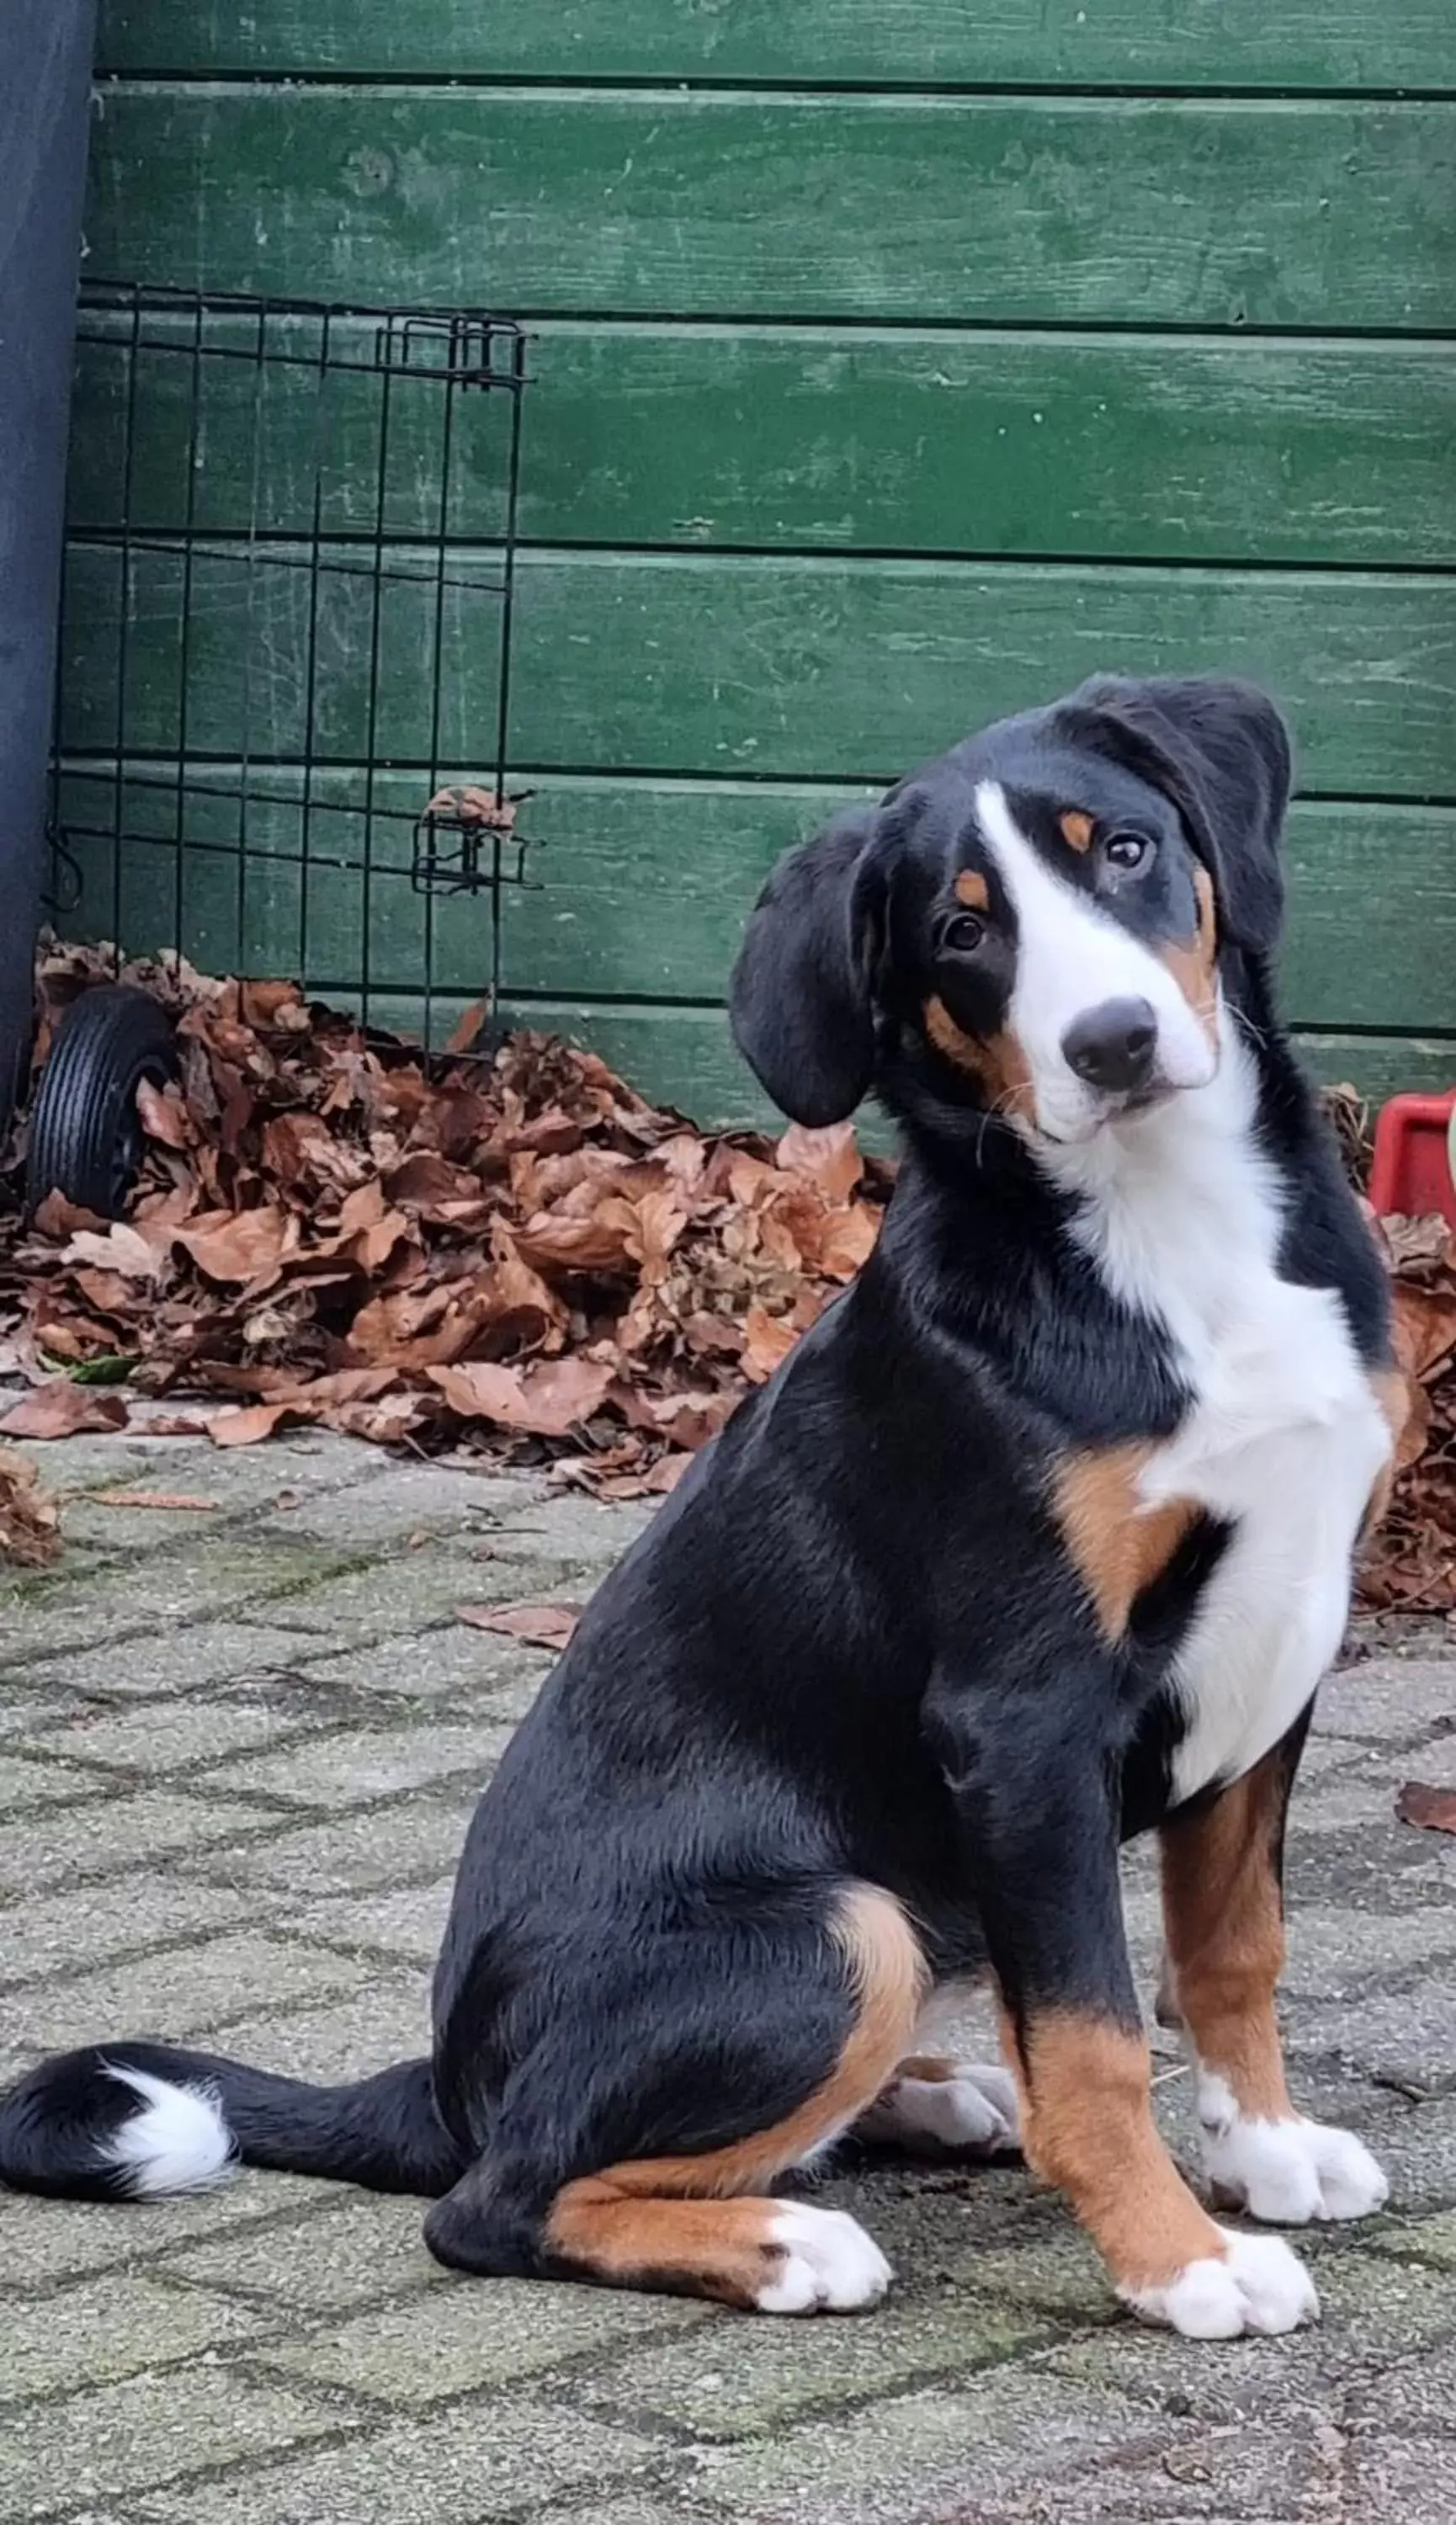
963, 933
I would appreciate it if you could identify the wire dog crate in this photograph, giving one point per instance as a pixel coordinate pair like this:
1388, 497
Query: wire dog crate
285, 644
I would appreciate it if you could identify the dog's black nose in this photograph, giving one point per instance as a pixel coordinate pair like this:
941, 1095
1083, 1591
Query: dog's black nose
1113, 1045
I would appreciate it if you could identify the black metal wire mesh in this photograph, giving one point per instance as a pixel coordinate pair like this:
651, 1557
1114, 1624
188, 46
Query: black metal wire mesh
284, 676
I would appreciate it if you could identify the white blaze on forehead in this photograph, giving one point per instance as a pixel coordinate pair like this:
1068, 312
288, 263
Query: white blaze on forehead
1071, 956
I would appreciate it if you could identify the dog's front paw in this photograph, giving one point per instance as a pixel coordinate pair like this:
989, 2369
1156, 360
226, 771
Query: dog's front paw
1256, 2286
964, 2106
1289, 2173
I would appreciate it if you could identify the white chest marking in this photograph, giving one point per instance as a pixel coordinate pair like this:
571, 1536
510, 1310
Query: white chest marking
1285, 1439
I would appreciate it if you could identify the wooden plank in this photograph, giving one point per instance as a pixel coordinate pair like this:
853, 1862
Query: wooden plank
639, 891
780, 668
1060, 209
645, 889
1115, 43
1136, 447
684, 1057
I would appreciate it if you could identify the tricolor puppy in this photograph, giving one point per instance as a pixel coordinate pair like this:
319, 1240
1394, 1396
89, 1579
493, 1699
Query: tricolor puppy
1042, 1538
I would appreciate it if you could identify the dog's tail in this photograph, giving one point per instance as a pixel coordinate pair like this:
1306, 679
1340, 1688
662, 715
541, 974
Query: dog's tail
137, 2121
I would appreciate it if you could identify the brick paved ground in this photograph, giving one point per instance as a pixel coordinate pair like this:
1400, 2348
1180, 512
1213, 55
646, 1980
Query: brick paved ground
237, 1755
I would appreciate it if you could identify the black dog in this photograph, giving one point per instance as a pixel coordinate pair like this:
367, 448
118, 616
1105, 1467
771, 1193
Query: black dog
1041, 1538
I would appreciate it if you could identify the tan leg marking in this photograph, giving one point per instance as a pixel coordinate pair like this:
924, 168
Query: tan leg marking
1194, 968
1087, 2126
1117, 1545
675, 2221
1077, 829
1225, 1926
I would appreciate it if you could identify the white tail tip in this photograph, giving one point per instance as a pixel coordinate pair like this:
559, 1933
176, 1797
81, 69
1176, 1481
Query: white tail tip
179, 2142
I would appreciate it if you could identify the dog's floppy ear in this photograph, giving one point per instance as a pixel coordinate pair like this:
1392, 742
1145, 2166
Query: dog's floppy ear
1221, 751
802, 997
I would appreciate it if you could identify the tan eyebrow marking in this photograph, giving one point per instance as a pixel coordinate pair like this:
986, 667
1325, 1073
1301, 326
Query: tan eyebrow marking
1076, 829
971, 889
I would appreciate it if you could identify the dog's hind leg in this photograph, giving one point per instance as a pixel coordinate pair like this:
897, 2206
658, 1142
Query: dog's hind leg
689, 2081
937, 2105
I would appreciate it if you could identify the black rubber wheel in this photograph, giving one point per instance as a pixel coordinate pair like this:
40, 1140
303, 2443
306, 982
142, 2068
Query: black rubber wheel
85, 1132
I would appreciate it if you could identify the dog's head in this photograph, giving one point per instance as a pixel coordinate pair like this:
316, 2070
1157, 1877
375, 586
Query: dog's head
1035, 921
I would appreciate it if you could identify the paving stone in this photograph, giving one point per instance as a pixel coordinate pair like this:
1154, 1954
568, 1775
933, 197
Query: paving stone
174, 1997
44, 2241
355, 1853
158, 1664
1417, 2145
1333, 1952
480, 2335
151, 2428
103, 1836
155, 1736
632, 2508
375, 1763
1007, 2428
484, 2459
364, 2248
1430, 2240
730, 2380
1393, 1699
1410, 2035
105, 2329
401, 1500
574, 1526
1283, 2379
24, 1715
389, 2021
59, 1931
1416, 2397
74, 1608
392, 1599
29, 1783
1436, 1762
1380, 2308
1404, 2478
411, 1922
477, 1669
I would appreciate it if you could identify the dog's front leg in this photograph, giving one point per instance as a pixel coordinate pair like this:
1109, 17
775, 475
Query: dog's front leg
1224, 1913
1039, 1815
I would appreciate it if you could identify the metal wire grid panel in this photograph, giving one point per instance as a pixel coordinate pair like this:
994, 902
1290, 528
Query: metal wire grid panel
284, 676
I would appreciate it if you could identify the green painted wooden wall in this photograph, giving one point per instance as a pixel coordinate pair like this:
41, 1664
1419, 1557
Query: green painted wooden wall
897, 363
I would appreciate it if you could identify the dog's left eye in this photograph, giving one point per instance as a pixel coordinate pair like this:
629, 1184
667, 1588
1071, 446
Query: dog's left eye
964, 932
1128, 850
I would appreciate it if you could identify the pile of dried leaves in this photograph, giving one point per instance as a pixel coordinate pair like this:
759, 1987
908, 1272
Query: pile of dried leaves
512, 1252
1412, 1565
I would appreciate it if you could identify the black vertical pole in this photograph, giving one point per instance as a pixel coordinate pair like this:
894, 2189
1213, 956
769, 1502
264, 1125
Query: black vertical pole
45, 80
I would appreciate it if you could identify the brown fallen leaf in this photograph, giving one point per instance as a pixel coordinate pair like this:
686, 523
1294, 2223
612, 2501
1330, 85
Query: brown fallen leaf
541, 1626
153, 1499
164, 1116
58, 1408
236, 1245
767, 1340
30, 1521
246, 1428
1433, 1809
545, 1401
830, 1158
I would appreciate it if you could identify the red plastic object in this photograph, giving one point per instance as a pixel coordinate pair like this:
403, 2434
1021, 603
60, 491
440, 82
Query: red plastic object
1414, 1170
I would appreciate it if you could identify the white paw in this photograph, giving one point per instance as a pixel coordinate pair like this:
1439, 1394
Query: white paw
829, 2262
1262, 2286
1288, 2173
975, 2109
